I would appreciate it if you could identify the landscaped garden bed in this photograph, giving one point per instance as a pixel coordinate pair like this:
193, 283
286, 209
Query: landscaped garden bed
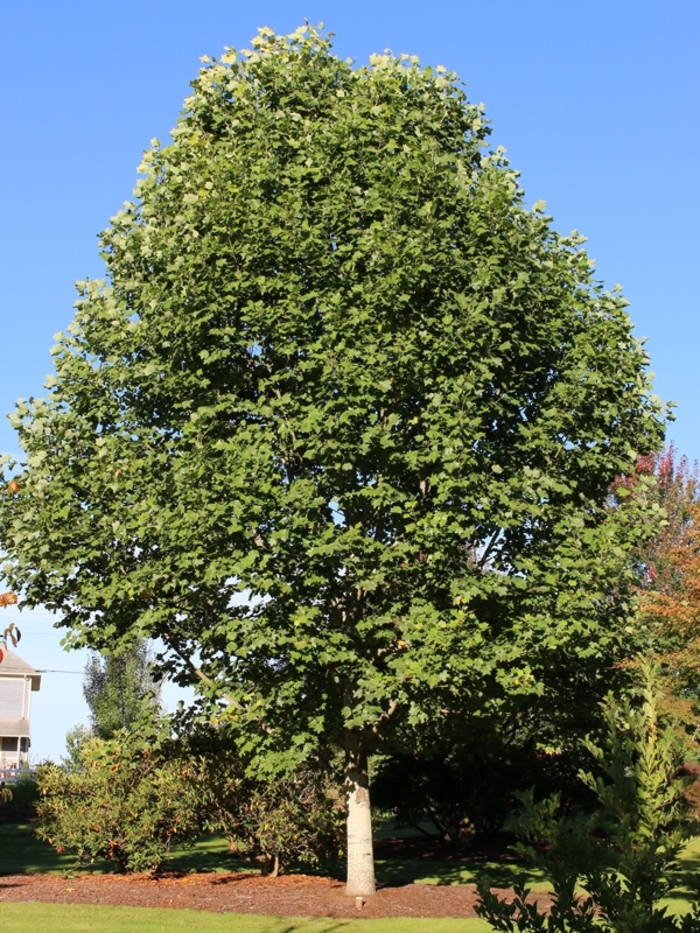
417, 879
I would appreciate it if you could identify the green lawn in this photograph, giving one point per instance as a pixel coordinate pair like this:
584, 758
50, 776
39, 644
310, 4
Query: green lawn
22, 853
83, 918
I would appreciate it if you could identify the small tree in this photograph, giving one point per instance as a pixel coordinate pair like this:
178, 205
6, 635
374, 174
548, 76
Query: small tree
611, 868
340, 427
120, 689
668, 572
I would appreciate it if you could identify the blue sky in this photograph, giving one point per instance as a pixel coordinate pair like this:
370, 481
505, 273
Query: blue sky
596, 103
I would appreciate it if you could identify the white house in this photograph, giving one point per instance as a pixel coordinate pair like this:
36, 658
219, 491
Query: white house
17, 681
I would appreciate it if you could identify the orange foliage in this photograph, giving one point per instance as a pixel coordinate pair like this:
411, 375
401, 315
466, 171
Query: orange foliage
11, 633
674, 596
671, 564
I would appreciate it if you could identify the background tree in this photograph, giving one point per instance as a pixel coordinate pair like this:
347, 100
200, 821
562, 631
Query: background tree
668, 569
465, 776
341, 425
76, 737
670, 603
120, 689
677, 490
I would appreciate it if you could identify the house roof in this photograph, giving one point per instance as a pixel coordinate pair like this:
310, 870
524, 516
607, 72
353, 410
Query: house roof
13, 665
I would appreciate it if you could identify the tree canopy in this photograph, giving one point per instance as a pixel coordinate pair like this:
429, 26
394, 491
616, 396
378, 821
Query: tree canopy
339, 426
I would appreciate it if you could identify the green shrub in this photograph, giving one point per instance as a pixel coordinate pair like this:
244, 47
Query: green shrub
610, 868
277, 819
124, 802
128, 798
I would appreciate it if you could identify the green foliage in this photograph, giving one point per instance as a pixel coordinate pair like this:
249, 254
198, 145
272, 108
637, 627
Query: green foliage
278, 820
621, 855
342, 420
124, 803
120, 690
129, 798
75, 739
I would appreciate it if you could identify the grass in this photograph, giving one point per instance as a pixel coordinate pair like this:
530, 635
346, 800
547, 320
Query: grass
22, 853
83, 918
448, 871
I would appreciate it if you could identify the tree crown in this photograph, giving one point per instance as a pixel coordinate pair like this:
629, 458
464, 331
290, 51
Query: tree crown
340, 424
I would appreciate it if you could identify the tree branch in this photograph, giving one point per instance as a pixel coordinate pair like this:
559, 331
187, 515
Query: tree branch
378, 725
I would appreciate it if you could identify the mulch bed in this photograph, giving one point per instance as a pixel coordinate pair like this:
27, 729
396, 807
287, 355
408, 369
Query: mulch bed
288, 895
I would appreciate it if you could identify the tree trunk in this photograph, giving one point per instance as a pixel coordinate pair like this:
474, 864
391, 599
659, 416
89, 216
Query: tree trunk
360, 877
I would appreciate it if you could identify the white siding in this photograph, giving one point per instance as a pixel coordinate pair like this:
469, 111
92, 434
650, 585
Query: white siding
13, 698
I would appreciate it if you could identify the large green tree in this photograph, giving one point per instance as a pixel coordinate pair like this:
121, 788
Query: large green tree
340, 424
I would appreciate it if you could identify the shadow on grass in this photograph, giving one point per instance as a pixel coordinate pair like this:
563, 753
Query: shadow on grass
21, 853
419, 858
457, 871
210, 853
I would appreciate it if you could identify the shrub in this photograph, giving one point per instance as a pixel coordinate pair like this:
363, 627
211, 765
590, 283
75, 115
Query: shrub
275, 819
129, 798
125, 802
470, 788
622, 856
